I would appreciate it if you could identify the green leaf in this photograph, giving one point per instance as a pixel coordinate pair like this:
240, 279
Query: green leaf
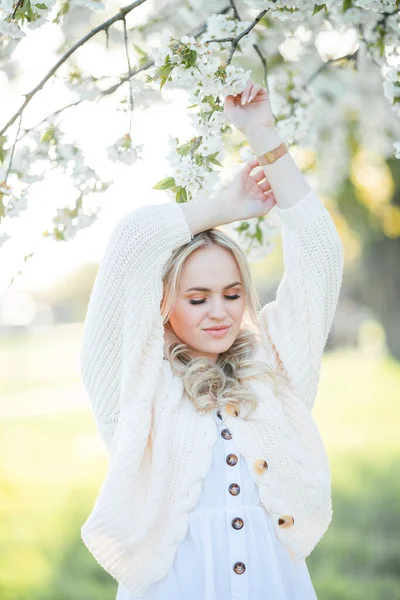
212, 158
64, 8
259, 234
192, 106
185, 149
41, 6
181, 195
48, 135
318, 7
164, 184
192, 58
346, 5
380, 44
59, 235
164, 70
242, 227
3, 140
139, 50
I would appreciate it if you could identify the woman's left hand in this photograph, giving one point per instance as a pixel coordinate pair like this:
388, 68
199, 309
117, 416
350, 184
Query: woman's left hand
254, 113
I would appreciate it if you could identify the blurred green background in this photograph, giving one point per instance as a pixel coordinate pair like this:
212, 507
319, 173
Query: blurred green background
52, 464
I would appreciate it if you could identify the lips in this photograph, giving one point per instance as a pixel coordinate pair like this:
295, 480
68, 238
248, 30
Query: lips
217, 332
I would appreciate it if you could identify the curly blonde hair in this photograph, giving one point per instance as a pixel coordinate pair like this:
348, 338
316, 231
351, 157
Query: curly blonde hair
209, 385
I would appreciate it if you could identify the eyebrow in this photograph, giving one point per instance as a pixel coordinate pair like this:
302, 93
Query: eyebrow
203, 289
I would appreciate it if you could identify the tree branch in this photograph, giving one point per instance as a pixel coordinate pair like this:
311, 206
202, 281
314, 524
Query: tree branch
130, 83
13, 150
235, 40
54, 114
126, 77
194, 33
255, 46
235, 10
331, 61
103, 27
264, 64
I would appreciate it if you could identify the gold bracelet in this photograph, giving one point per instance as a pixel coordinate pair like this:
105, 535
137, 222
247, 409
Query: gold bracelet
272, 155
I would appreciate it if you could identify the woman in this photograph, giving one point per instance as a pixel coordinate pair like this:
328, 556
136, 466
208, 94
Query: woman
218, 484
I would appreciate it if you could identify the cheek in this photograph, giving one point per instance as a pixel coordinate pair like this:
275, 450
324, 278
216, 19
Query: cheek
238, 308
185, 316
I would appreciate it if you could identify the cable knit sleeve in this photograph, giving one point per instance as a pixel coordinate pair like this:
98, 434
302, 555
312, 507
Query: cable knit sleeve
122, 342
294, 327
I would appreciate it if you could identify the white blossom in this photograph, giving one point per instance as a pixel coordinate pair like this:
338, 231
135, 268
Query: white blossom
161, 54
189, 41
246, 153
310, 111
8, 6
85, 87
5, 188
11, 30
391, 85
220, 27
207, 5
17, 205
124, 151
92, 4
3, 238
210, 145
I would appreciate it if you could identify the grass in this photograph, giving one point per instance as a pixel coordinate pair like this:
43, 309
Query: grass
52, 464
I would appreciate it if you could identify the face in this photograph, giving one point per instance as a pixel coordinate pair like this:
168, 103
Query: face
210, 295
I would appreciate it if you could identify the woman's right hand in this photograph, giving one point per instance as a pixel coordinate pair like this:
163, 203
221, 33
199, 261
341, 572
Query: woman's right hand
247, 195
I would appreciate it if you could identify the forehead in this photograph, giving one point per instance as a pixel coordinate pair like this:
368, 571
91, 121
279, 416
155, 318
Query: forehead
210, 263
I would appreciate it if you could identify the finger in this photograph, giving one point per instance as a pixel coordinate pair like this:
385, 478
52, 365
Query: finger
259, 176
265, 186
251, 165
246, 93
269, 202
256, 89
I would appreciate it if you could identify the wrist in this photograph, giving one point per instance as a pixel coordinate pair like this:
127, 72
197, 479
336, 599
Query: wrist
262, 139
221, 208
206, 213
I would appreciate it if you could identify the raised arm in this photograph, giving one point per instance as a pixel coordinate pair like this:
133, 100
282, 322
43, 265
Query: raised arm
123, 326
295, 326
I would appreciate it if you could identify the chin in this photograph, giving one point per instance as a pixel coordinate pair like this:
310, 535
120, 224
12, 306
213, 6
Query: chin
212, 346
218, 345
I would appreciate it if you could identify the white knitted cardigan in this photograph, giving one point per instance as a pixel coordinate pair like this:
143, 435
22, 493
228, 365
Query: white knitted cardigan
159, 446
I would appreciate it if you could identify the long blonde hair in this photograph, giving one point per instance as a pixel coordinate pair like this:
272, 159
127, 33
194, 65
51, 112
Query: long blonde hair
209, 385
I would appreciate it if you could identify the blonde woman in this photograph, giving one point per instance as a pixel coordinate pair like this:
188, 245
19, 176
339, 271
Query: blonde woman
218, 485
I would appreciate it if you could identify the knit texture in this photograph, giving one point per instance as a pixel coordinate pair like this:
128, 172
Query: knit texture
160, 447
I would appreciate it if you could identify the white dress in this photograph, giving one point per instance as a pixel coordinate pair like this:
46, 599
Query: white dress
230, 551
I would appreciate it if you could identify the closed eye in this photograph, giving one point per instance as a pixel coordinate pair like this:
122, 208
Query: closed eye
235, 297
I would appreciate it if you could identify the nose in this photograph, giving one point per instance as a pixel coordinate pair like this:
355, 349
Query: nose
216, 309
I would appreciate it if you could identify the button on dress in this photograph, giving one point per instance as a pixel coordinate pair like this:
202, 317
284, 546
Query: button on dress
230, 551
